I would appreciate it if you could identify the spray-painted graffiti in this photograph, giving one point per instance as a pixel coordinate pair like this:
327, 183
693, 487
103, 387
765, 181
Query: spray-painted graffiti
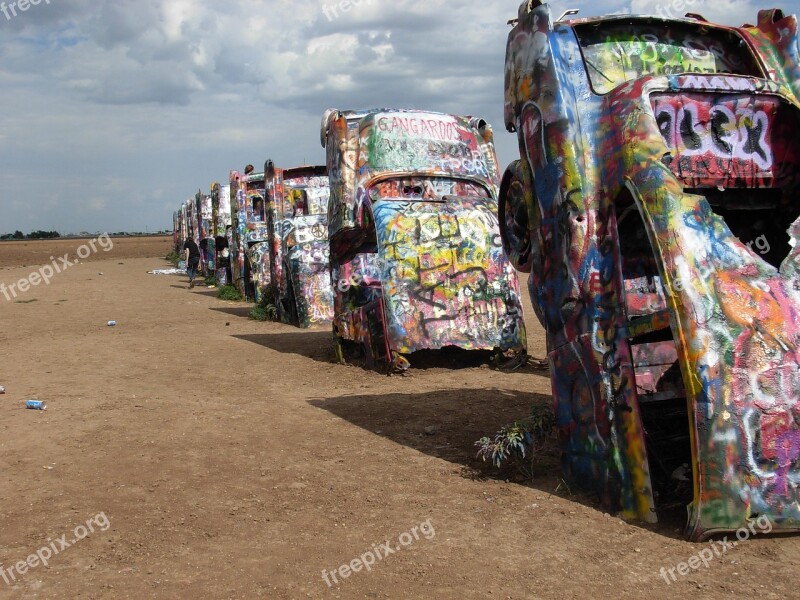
617, 54
432, 142
412, 227
299, 244
258, 259
655, 208
721, 141
308, 257
448, 283
250, 266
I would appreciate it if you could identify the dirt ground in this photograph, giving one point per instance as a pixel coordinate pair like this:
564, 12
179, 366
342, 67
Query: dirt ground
225, 458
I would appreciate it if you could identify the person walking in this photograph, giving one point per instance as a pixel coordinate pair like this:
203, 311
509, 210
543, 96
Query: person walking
192, 253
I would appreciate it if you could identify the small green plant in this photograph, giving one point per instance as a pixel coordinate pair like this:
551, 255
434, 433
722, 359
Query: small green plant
173, 257
518, 444
210, 280
229, 292
259, 313
265, 310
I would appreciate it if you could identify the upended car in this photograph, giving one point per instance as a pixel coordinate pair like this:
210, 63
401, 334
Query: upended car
655, 206
416, 258
249, 251
297, 216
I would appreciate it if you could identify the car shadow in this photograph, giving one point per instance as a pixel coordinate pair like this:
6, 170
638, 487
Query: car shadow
446, 424
211, 293
236, 311
316, 344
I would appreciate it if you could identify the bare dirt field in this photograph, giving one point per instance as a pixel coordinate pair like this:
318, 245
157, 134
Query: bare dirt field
225, 458
41, 252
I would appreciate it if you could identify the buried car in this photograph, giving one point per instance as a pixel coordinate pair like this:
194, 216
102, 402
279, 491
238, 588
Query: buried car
416, 258
221, 224
297, 218
249, 250
203, 207
655, 206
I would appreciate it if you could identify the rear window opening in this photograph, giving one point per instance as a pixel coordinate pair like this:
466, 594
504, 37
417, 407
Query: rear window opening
627, 49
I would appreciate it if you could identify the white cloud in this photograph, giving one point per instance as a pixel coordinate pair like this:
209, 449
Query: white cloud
119, 108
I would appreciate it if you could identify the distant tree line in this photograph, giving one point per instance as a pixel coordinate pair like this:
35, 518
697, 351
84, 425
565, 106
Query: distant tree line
33, 235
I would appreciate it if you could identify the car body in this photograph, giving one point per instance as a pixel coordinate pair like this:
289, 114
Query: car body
188, 223
221, 222
416, 259
203, 209
180, 230
655, 207
298, 240
249, 248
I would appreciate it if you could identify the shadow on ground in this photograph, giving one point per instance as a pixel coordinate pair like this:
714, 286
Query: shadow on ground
211, 292
315, 344
457, 358
236, 311
446, 424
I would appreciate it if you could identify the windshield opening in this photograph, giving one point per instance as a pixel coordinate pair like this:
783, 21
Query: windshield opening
306, 198
625, 50
257, 207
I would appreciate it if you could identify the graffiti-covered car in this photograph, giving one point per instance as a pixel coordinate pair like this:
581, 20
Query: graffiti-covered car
220, 223
203, 209
249, 248
416, 258
180, 229
655, 207
297, 217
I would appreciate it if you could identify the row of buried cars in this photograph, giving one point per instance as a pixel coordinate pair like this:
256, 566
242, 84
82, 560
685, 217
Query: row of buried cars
655, 208
395, 240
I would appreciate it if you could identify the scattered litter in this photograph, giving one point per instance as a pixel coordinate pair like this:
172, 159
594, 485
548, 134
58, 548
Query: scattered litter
100, 273
112, 323
36, 404
2, 390
167, 272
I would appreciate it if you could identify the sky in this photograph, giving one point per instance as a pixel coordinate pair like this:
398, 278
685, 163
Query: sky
116, 111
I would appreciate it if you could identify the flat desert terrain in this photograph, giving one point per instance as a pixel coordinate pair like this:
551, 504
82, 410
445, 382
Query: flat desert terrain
217, 457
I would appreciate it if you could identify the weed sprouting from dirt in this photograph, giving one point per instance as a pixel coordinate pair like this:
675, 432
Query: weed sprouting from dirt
265, 310
173, 257
229, 292
518, 445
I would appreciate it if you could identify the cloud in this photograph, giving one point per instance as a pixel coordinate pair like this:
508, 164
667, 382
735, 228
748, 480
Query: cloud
124, 107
